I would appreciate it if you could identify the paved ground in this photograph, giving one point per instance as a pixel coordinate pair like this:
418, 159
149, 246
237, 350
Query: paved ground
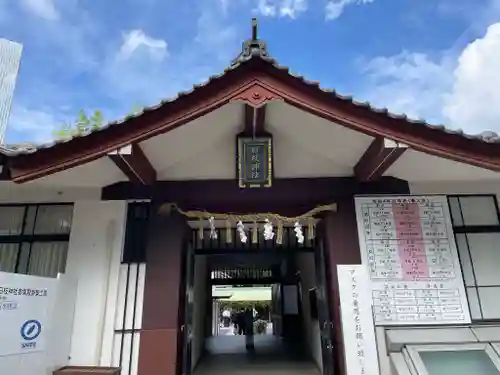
229, 356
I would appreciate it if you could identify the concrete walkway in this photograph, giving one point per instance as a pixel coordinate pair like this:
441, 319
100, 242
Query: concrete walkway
228, 355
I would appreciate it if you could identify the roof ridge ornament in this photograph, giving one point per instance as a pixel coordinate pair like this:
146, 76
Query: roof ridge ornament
252, 47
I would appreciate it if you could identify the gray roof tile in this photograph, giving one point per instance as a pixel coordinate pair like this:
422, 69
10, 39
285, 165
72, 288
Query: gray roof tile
251, 49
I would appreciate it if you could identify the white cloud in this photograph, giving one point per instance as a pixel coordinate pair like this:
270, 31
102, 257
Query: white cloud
151, 76
134, 68
474, 99
38, 123
334, 8
294, 8
409, 82
42, 8
282, 8
266, 8
461, 90
137, 41
113, 71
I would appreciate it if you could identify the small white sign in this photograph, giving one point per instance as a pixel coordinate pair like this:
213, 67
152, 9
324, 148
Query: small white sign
24, 305
360, 346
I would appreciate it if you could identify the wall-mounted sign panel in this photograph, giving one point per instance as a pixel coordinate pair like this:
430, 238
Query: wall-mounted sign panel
358, 330
254, 162
408, 247
24, 305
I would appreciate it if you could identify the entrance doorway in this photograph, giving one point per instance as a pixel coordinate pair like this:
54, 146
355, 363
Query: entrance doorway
282, 288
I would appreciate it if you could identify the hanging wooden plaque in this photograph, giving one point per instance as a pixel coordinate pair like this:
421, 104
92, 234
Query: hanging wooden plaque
254, 162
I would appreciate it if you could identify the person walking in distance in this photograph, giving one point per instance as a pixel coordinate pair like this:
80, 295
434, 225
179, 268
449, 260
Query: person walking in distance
249, 339
226, 317
240, 322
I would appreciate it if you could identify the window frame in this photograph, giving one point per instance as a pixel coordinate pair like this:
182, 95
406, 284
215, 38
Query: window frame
402, 364
136, 232
412, 354
473, 229
23, 238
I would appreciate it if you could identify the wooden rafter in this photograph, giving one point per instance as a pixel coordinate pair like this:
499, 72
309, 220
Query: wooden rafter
254, 120
377, 159
134, 164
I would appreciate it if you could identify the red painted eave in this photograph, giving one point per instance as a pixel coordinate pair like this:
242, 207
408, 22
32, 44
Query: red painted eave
255, 82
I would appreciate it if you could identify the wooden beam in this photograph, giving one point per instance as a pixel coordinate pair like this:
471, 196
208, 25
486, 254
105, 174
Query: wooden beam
254, 120
287, 196
134, 164
378, 158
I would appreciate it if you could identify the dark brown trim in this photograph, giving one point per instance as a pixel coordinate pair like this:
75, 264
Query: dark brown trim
167, 117
254, 120
248, 120
163, 295
340, 233
255, 82
4, 168
288, 196
376, 160
132, 161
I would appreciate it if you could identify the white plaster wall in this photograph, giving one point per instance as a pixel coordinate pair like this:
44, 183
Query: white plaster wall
34, 193
61, 323
95, 247
305, 263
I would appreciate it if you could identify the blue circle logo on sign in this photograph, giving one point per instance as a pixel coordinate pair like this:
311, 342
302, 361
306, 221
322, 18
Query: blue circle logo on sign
31, 329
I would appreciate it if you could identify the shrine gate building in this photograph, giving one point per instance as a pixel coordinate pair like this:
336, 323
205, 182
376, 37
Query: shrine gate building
259, 176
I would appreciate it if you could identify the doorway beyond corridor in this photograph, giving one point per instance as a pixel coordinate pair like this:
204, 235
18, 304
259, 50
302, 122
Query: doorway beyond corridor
298, 333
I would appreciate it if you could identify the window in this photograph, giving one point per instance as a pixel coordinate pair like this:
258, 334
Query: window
34, 238
477, 232
477, 359
136, 235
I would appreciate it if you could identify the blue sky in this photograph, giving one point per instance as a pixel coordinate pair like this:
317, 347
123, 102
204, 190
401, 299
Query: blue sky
433, 59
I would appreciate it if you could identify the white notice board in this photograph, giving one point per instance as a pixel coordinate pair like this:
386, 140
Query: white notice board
24, 304
408, 247
358, 331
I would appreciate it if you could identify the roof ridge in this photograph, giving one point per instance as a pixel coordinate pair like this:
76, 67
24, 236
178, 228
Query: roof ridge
253, 48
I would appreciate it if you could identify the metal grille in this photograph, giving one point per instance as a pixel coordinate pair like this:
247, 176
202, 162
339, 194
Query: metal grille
128, 318
241, 273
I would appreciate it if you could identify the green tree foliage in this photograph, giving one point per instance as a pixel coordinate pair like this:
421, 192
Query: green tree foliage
136, 108
97, 120
258, 305
83, 124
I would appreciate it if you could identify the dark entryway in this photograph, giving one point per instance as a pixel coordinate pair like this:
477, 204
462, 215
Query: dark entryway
300, 340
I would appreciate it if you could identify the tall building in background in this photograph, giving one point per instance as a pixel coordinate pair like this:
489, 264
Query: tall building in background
10, 58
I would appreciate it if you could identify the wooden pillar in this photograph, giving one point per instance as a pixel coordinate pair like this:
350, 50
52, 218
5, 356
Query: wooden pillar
342, 247
160, 347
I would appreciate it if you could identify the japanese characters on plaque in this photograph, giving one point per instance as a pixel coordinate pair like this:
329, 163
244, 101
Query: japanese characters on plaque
254, 162
408, 247
357, 320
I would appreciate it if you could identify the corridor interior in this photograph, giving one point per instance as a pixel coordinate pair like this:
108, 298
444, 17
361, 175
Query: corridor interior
291, 344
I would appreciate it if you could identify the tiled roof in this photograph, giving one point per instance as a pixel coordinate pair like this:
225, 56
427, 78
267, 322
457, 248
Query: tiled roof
253, 49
